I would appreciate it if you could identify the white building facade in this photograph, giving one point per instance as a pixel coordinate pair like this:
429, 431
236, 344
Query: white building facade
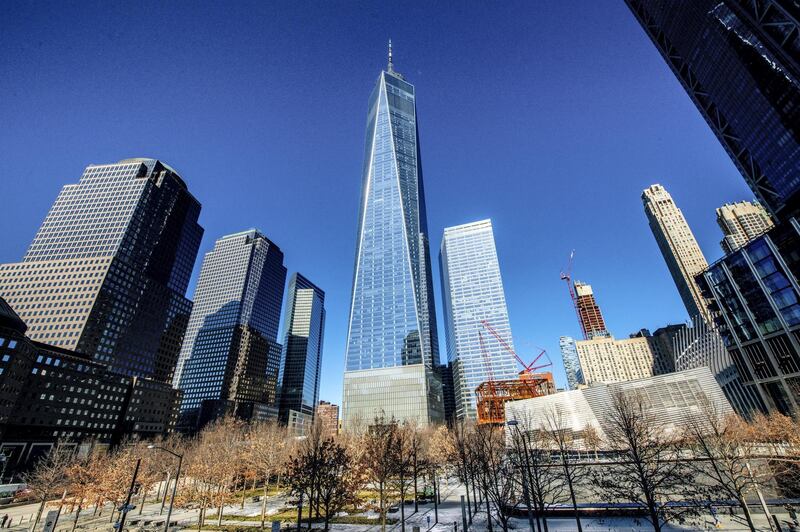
473, 293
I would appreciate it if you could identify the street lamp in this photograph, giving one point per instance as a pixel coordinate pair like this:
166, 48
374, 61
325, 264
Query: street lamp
526, 492
175, 487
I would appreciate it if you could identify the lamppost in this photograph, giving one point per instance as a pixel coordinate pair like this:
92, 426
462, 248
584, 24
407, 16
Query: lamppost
175, 486
525, 491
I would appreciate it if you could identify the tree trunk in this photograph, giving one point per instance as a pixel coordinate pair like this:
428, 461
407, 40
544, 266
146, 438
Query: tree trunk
747, 515
221, 505
488, 512
77, 515
166, 490
402, 507
39, 514
264, 507
568, 476
416, 497
144, 498
383, 509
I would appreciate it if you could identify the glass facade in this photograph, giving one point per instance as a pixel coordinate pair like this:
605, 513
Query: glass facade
230, 355
473, 292
392, 318
572, 364
756, 291
304, 326
739, 61
107, 272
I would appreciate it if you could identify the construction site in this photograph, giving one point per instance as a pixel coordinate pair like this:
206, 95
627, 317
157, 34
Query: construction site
492, 395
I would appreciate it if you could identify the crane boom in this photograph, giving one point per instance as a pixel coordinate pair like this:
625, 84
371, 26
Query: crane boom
528, 368
567, 276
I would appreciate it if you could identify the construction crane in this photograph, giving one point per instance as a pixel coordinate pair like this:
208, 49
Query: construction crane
529, 368
492, 394
567, 276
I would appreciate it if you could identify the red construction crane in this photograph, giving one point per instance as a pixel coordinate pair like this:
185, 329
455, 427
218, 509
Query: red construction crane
528, 368
567, 276
487, 362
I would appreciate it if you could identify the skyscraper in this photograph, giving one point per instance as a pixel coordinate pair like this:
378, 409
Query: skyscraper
756, 290
592, 321
229, 360
473, 292
741, 222
106, 275
740, 64
678, 247
304, 326
392, 344
572, 364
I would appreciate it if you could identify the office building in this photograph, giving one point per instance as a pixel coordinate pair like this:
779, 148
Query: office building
740, 223
572, 364
473, 294
671, 400
328, 415
740, 64
106, 274
756, 292
678, 247
698, 344
392, 344
592, 322
445, 372
607, 359
299, 375
230, 358
50, 394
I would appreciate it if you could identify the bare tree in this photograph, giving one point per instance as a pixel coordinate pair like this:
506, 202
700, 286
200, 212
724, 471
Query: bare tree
562, 438
266, 455
339, 480
379, 459
83, 475
649, 472
496, 472
460, 458
439, 451
720, 442
533, 456
47, 476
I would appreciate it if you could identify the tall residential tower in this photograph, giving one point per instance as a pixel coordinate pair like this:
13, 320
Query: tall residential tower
678, 247
229, 360
740, 223
391, 340
592, 321
740, 64
298, 379
106, 275
473, 292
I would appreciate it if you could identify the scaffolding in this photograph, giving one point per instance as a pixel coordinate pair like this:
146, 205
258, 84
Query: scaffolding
492, 395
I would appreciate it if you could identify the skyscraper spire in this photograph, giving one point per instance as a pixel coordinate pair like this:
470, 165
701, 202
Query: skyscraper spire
391, 65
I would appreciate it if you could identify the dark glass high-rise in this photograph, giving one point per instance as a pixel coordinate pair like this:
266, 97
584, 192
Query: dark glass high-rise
739, 61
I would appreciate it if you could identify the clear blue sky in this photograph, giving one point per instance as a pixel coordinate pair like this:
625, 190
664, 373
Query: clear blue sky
547, 117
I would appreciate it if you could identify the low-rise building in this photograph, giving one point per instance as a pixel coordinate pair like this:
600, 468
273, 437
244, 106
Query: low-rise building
328, 414
671, 399
50, 394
